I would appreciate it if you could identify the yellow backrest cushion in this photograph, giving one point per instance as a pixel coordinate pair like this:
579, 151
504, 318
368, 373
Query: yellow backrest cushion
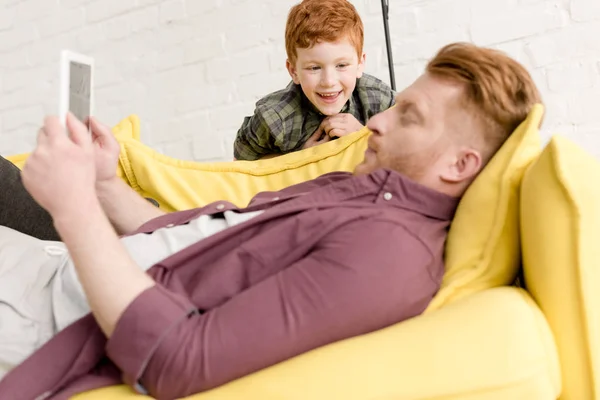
482, 249
179, 185
560, 222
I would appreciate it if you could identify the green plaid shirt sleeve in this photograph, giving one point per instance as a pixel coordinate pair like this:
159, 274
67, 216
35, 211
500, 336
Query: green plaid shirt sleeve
374, 96
262, 133
255, 137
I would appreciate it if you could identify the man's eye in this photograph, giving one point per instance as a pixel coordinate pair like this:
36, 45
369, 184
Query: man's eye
406, 121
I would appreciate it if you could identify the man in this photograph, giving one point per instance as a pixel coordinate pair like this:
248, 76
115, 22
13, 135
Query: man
231, 291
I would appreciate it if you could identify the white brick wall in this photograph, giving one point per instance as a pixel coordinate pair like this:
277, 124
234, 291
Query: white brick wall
192, 69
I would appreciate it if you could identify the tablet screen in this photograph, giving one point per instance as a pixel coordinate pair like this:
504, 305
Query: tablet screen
80, 82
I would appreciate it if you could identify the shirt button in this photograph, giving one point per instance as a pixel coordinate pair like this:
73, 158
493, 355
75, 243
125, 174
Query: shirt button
275, 198
387, 196
170, 225
220, 207
54, 250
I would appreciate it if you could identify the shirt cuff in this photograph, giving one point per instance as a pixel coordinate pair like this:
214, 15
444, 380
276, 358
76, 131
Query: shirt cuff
141, 328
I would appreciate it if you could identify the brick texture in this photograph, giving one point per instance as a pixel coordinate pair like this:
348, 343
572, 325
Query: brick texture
192, 69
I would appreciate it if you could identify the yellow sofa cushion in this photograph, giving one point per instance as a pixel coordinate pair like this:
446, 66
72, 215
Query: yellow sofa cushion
494, 345
179, 185
483, 248
560, 218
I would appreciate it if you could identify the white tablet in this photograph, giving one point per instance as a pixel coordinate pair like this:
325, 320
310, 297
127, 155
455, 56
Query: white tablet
76, 85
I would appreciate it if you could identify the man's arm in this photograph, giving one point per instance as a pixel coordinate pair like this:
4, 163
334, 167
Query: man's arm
345, 287
61, 175
125, 208
110, 278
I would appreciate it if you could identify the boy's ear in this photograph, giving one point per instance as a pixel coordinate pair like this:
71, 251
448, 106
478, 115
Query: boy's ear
292, 71
361, 65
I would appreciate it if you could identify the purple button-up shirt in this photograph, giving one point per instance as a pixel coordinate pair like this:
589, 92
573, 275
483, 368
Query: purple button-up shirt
329, 259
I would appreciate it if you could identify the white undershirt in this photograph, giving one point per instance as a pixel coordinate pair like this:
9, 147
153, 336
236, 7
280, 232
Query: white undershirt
146, 249
149, 249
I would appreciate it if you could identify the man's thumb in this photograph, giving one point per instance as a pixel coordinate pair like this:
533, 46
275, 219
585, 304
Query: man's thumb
78, 132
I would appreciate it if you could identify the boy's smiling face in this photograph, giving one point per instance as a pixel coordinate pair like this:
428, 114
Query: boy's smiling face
327, 73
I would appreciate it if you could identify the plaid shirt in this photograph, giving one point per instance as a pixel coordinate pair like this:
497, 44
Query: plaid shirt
284, 120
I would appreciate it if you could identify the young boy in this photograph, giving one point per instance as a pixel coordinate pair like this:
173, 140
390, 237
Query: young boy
329, 95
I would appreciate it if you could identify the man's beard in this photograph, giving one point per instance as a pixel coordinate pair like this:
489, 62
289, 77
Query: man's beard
415, 166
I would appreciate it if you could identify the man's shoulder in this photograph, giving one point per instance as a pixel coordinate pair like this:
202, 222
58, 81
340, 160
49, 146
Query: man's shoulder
284, 102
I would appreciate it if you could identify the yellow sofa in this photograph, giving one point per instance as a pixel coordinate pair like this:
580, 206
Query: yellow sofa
482, 337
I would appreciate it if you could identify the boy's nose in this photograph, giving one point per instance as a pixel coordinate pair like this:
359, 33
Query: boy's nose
328, 79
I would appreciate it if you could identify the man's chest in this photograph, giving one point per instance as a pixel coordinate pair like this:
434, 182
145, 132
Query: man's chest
237, 259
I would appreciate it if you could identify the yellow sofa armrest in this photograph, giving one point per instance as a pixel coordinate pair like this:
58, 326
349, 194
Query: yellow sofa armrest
495, 344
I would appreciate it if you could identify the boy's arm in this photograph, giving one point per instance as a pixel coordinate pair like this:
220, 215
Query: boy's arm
254, 138
388, 97
376, 96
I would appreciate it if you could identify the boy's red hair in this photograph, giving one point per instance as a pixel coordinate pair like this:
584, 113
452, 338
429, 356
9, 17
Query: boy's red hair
314, 21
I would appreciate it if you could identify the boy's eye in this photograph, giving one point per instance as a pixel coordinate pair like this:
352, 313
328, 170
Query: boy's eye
342, 65
313, 68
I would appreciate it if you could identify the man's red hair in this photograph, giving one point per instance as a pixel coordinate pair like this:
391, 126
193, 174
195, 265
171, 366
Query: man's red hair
499, 91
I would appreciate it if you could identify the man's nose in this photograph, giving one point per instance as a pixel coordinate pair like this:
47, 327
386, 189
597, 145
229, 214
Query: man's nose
374, 124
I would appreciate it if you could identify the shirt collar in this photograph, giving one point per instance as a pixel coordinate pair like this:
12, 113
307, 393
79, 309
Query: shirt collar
398, 190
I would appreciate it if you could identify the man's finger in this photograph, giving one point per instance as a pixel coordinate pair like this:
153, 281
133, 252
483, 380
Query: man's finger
98, 128
42, 138
53, 129
78, 131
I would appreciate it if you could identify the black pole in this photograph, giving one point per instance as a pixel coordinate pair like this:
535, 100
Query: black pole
385, 6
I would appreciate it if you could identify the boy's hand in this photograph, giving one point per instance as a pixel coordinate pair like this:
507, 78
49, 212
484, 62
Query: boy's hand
340, 125
60, 173
317, 138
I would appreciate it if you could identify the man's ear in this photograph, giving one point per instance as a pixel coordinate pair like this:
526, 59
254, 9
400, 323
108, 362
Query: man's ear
361, 65
467, 164
292, 71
